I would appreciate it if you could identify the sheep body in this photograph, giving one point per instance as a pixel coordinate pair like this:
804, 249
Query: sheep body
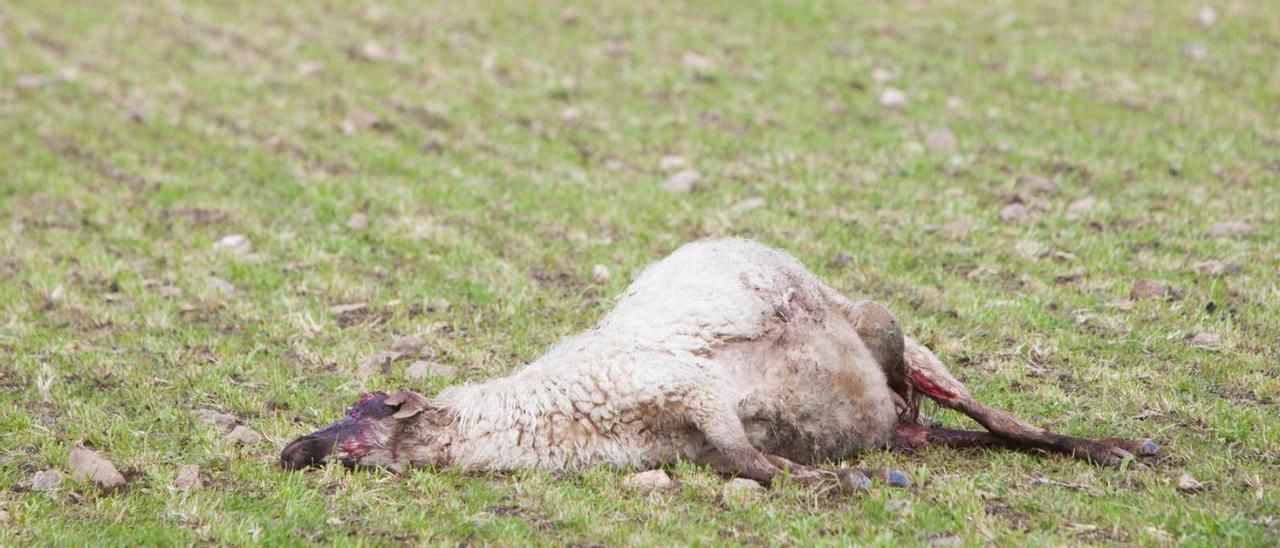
721, 336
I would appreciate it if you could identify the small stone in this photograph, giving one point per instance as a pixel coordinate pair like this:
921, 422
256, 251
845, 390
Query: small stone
4, 517
188, 478
380, 361
58, 293
1015, 213
570, 17
854, 481
893, 98
87, 465
1037, 183
699, 64
947, 540
671, 162
46, 480
242, 435
358, 221
941, 140
1218, 268
571, 114
1206, 340
600, 274
408, 345
881, 75
307, 68
423, 369
956, 229
682, 182
220, 285
1230, 229
1188, 484
223, 421
1153, 290
651, 480
748, 205
373, 51
844, 258
1195, 52
743, 485
1078, 208
235, 243
1206, 16
348, 309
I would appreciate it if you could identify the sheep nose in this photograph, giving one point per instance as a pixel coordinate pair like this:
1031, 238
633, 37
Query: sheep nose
306, 451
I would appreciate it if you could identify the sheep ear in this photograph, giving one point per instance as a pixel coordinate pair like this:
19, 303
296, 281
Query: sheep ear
407, 403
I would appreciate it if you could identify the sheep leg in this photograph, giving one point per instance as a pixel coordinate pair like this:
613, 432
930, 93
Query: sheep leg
731, 452
929, 377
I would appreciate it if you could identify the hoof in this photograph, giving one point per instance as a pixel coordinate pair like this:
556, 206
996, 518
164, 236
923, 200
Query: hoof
854, 481
897, 479
1148, 448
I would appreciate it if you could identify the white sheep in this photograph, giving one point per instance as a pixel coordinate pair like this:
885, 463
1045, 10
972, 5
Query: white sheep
728, 354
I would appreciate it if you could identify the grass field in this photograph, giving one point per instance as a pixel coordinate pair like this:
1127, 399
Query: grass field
1043, 160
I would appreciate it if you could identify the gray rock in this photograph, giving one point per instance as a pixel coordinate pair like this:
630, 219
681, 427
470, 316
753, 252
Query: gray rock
743, 485
682, 182
893, 98
222, 420
650, 480
242, 435
1153, 290
1218, 268
188, 478
424, 369
87, 465
1206, 340
941, 140
1229, 229
1037, 183
1188, 484
1015, 213
408, 345
46, 480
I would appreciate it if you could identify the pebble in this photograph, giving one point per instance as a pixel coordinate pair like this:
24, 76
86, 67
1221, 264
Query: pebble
1229, 229
941, 140
219, 419
1218, 268
236, 243
650, 480
1037, 183
748, 205
423, 369
408, 345
893, 98
88, 465
188, 478
682, 182
1153, 290
671, 162
358, 221
600, 274
1188, 484
1015, 213
743, 485
1078, 208
46, 480
1206, 340
1206, 16
242, 435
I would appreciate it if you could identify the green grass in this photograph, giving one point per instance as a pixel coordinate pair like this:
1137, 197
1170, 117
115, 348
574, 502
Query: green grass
482, 192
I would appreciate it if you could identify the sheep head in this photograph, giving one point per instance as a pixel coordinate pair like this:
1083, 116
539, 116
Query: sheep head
378, 431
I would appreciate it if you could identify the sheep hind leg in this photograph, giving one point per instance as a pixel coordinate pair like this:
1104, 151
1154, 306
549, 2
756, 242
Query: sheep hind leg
928, 376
